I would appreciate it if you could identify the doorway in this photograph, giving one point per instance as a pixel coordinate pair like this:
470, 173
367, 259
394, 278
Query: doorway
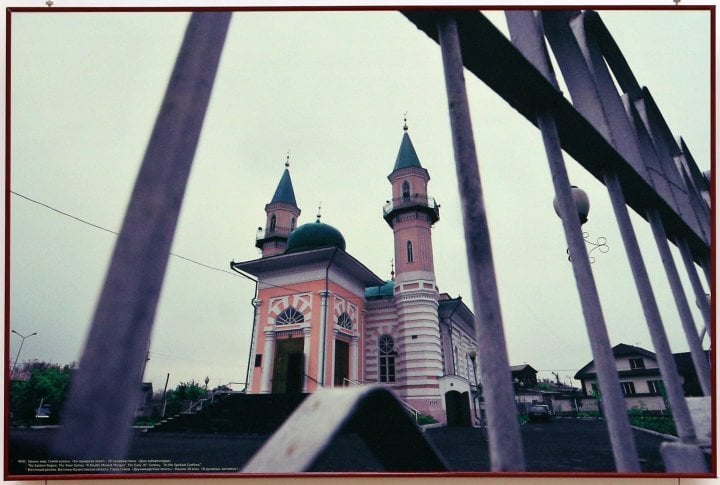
289, 366
457, 406
342, 363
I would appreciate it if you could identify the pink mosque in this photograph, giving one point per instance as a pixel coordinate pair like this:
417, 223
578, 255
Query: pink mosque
323, 319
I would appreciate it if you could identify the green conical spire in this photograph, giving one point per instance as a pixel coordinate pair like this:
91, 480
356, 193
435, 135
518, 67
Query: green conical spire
284, 191
406, 156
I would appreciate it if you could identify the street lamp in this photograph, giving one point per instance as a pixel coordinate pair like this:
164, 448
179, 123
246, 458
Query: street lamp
17, 357
473, 355
582, 206
582, 203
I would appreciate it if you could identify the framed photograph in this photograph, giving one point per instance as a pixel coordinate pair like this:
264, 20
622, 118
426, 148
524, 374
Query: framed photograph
387, 240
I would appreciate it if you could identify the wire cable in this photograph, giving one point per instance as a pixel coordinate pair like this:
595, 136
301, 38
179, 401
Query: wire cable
116, 233
207, 266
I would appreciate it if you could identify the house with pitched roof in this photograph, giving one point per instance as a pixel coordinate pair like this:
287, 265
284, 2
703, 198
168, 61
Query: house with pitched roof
640, 377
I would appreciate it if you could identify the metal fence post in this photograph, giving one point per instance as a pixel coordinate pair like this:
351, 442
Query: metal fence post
707, 271
527, 37
506, 452
621, 438
700, 296
666, 361
98, 415
700, 362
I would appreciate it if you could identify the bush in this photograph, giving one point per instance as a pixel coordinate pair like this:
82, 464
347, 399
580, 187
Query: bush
661, 424
425, 419
147, 421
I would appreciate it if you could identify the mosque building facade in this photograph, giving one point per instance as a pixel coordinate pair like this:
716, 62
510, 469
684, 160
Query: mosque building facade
322, 319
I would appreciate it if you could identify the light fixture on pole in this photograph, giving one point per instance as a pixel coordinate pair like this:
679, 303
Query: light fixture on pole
582, 206
17, 357
473, 355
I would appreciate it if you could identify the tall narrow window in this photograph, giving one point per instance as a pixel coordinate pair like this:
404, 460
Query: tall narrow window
628, 388
273, 222
406, 190
292, 224
410, 256
386, 351
656, 387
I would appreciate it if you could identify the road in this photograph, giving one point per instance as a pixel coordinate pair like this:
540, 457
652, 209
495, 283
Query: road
563, 445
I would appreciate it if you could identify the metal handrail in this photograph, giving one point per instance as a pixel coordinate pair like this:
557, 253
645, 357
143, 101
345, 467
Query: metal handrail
409, 200
314, 380
199, 404
277, 231
416, 414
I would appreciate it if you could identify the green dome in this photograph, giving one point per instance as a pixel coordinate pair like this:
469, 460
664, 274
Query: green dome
314, 235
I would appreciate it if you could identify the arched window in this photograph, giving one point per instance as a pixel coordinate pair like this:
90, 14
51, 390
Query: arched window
292, 224
410, 255
406, 190
345, 321
289, 316
273, 222
386, 353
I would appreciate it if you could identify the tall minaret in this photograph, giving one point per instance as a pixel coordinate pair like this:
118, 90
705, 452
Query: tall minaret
282, 213
411, 214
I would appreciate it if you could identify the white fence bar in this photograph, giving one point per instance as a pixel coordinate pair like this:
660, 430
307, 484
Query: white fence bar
506, 453
621, 438
98, 415
700, 297
700, 362
666, 361
527, 37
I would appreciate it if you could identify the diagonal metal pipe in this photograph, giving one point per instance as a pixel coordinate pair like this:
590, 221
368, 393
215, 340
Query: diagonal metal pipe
526, 34
506, 452
700, 362
98, 415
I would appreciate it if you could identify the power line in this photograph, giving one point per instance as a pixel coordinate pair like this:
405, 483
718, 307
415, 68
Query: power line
207, 266
116, 233
63, 213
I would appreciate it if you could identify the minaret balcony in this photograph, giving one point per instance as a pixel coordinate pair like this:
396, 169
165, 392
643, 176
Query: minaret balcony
410, 202
276, 232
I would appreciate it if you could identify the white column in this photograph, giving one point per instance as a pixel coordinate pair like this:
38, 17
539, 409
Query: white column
354, 358
253, 350
332, 357
323, 337
267, 362
306, 357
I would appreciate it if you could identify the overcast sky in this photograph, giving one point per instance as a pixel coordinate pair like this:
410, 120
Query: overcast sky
331, 88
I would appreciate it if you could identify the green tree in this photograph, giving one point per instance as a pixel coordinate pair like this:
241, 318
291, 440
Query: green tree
185, 392
48, 384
